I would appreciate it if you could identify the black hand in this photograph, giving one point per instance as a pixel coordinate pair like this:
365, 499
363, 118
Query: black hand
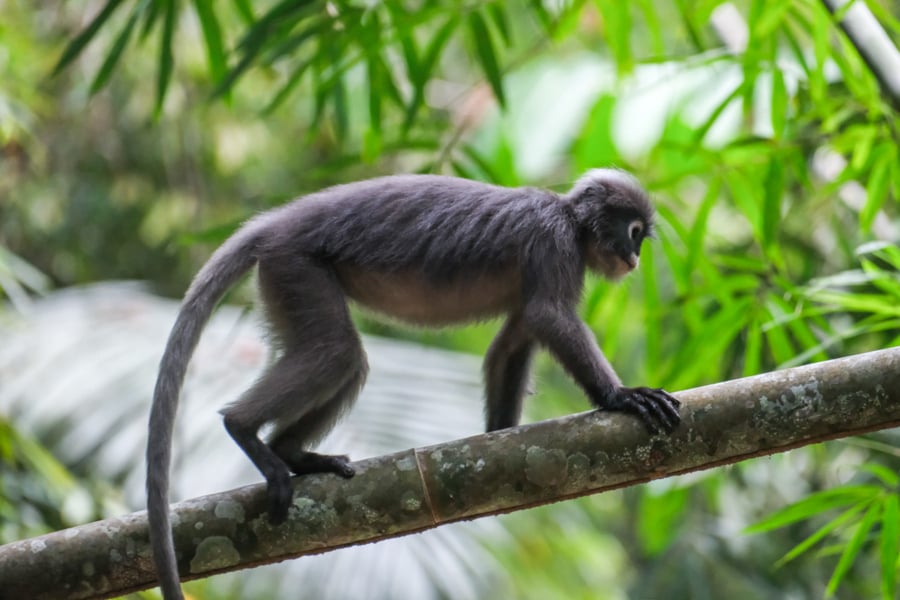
656, 408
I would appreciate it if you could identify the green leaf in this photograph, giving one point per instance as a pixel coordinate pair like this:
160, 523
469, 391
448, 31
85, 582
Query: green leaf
212, 34
753, 350
774, 189
661, 519
815, 504
424, 69
888, 477
652, 304
863, 137
371, 145
339, 98
654, 28
260, 33
779, 102
498, 15
166, 58
245, 10
697, 237
890, 539
115, 53
770, 18
77, 45
716, 113
487, 56
877, 187
373, 70
851, 550
833, 525
617, 30
151, 13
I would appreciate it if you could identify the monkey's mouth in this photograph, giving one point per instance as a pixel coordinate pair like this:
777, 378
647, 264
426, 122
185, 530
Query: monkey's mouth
631, 260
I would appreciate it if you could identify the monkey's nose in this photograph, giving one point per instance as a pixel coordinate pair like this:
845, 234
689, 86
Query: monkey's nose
632, 260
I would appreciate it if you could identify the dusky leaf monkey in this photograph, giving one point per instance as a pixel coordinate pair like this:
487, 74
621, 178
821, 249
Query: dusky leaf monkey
423, 249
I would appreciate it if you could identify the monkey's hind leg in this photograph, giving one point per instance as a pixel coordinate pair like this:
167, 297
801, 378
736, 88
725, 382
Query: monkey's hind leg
291, 444
506, 369
296, 393
317, 377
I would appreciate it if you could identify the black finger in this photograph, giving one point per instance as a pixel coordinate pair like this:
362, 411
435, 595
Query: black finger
668, 421
669, 405
638, 407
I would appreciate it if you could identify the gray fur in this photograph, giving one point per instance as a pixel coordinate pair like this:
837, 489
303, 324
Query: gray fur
424, 249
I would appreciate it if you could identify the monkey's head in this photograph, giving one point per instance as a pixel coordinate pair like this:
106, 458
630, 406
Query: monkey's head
614, 217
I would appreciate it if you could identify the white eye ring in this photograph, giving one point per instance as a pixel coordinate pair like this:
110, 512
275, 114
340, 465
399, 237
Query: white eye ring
635, 229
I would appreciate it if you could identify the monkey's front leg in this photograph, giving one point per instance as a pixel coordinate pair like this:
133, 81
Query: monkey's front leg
573, 345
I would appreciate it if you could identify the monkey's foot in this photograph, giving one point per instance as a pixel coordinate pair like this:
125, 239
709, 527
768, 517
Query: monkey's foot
656, 408
280, 489
312, 462
280, 493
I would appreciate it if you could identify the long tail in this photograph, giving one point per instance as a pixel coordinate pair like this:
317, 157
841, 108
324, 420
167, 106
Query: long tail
232, 260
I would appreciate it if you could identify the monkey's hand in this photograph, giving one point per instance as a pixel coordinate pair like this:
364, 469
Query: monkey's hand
656, 408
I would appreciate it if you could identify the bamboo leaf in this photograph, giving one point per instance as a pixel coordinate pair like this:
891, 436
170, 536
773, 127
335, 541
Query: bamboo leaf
498, 16
487, 56
77, 45
753, 350
617, 29
833, 525
212, 35
151, 12
166, 58
115, 53
890, 539
779, 102
774, 189
877, 187
815, 504
888, 477
373, 70
851, 550
424, 69
245, 10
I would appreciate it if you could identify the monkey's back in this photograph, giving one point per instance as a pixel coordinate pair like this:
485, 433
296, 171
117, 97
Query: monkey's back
441, 226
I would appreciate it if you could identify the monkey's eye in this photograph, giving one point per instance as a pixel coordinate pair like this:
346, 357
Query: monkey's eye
635, 230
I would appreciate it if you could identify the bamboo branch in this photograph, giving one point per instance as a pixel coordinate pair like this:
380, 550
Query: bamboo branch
483, 475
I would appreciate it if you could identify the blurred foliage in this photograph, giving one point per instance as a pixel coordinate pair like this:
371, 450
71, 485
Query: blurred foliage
768, 144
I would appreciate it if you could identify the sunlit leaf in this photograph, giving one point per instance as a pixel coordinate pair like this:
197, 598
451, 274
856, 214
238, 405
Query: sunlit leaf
498, 16
617, 31
779, 101
245, 10
878, 183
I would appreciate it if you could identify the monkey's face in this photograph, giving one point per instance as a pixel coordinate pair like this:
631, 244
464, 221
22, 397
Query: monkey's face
616, 250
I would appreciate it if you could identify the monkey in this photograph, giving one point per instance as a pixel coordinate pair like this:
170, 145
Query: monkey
428, 250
